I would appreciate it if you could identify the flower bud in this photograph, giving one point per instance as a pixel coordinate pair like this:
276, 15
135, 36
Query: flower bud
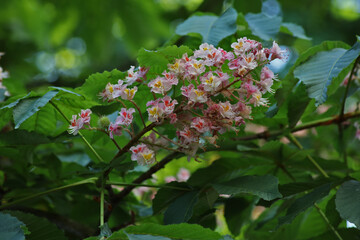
103, 122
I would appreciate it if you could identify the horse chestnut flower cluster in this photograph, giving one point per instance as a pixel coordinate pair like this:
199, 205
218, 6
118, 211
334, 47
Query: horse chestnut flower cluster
218, 91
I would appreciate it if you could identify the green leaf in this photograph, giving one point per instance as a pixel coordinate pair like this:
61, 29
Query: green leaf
345, 233
175, 231
22, 137
64, 90
290, 81
29, 107
14, 103
271, 8
182, 208
293, 188
298, 101
294, 30
331, 213
318, 72
265, 187
212, 28
303, 203
40, 228
145, 237
237, 212
11, 228
263, 26
347, 201
165, 196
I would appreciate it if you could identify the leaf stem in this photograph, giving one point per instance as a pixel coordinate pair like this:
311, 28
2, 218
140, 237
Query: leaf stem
146, 185
328, 222
312, 160
36, 195
348, 87
80, 134
138, 109
341, 116
102, 202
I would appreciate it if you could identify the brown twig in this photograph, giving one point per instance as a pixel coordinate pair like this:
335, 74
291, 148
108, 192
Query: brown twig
146, 175
322, 122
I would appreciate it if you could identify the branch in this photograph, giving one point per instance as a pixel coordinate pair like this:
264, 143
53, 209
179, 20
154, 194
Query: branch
317, 123
146, 175
340, 126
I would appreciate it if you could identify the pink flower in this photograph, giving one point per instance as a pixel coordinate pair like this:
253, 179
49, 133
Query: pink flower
200, 125
125, 117
160, 85
132, 76
211, 82
276, 52
243, 110
114, 129
226, 110
204, 50
3, 74
258, 100
193, 69
173, 118
127, 93
142, 72
357, 134
170, 179
198, 95
112, 91
185, 90
183, 175
170, 78
155, 113
75, 125
142, 154
187, 136
85, 116
168, 105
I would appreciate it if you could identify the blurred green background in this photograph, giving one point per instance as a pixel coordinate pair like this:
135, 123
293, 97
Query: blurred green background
51, 42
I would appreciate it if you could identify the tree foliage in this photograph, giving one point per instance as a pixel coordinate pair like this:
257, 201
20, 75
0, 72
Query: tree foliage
285, 168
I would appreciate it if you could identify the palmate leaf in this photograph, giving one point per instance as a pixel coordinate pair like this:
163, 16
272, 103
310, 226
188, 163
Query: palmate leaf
347, 201
320, 70
212, 28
